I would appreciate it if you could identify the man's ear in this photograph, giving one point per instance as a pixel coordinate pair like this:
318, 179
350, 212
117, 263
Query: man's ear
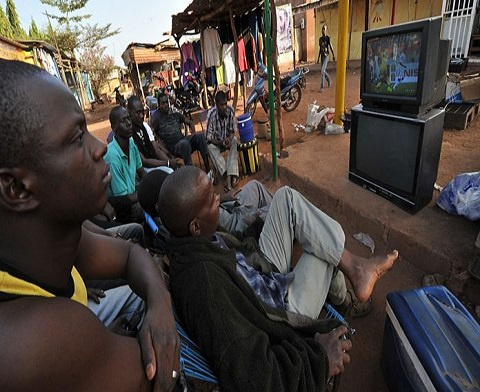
194, 228
16, 190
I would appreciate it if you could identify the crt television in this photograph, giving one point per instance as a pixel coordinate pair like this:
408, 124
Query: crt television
404, 67
396, 156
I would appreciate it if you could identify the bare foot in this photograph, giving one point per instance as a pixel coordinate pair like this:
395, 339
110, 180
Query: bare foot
366, 272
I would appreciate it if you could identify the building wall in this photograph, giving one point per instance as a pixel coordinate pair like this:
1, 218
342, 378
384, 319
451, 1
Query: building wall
379, 16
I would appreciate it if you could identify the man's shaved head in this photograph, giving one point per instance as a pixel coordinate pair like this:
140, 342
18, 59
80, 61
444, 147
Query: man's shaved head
21, 120
179, 200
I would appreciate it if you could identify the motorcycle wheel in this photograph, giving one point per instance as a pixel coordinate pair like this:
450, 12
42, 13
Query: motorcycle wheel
293, 100
251, 108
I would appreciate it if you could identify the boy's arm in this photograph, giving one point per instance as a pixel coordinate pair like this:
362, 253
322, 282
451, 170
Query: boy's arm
62, 346
101, 257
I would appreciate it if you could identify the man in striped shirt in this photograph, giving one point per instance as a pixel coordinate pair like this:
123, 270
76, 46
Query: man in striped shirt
220, 137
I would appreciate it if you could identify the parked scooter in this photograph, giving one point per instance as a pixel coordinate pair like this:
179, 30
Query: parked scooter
291, 87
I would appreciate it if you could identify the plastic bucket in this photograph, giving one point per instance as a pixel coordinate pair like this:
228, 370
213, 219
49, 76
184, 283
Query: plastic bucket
245, 128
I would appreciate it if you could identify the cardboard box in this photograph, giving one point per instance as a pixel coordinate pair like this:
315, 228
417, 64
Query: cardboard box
470, 87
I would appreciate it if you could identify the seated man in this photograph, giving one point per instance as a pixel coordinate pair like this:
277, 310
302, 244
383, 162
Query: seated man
52, 178
236, 313
166, 125
125, 164
221, 137
241, 214
150, 152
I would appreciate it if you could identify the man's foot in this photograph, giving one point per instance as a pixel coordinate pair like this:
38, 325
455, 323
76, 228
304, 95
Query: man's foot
364, 273
329, 83
353, 308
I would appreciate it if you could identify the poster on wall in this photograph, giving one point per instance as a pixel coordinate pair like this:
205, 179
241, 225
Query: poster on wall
284, 28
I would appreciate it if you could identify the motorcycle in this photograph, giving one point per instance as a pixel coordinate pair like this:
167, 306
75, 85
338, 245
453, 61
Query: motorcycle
291, 90
188, 98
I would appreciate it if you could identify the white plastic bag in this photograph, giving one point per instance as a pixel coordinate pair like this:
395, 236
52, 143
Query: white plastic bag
311, 118
333, 129
461, 196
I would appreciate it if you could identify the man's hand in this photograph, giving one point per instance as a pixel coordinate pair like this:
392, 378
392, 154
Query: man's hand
336, 348
173, 164
95, 294
226, 144
160, 345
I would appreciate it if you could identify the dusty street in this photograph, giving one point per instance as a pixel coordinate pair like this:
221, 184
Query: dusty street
318, 165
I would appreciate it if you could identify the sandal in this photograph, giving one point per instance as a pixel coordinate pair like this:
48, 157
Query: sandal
353, 308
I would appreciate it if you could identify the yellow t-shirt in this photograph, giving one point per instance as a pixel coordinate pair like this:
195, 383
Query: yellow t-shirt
18, 287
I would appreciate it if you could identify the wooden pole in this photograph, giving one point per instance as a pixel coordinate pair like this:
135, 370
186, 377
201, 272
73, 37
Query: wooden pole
235, 40
279, 113
394, 6
203, 70
268, 52
140, 82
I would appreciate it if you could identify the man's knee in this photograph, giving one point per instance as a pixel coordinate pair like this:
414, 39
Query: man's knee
183, 149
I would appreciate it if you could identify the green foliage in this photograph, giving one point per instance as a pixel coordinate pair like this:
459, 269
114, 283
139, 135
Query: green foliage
92, 35
70, 35
98, 65
66, 8
5, 27
18, 31
34, 32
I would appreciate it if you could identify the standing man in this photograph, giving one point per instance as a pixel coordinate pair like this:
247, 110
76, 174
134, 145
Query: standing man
125, 164
325, 45
221, 137
150, 152
52, 178
166, 125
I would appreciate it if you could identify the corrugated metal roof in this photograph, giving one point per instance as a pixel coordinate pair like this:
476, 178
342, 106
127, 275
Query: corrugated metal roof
149, 53
211, 11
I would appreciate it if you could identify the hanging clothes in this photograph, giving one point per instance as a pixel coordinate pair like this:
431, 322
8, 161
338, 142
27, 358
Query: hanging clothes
225, 32
242, 58
197, 48
211, 47
253, 24
211, 76
190, 63
261, 57
250, 51
228, 56
220, 71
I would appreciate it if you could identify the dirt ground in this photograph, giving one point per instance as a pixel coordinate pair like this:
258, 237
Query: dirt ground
319, 163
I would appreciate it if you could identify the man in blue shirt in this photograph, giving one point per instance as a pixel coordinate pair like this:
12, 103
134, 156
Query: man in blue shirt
125, 164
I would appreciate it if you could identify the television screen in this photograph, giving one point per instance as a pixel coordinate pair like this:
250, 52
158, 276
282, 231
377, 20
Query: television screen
387, 152
393, 64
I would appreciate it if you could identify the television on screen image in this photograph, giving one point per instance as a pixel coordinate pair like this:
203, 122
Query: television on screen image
404, 67
393, 64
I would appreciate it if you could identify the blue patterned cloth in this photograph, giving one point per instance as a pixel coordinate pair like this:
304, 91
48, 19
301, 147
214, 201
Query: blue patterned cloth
271, 288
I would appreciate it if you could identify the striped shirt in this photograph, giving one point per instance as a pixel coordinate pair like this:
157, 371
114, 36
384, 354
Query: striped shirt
220, 128
271, 288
